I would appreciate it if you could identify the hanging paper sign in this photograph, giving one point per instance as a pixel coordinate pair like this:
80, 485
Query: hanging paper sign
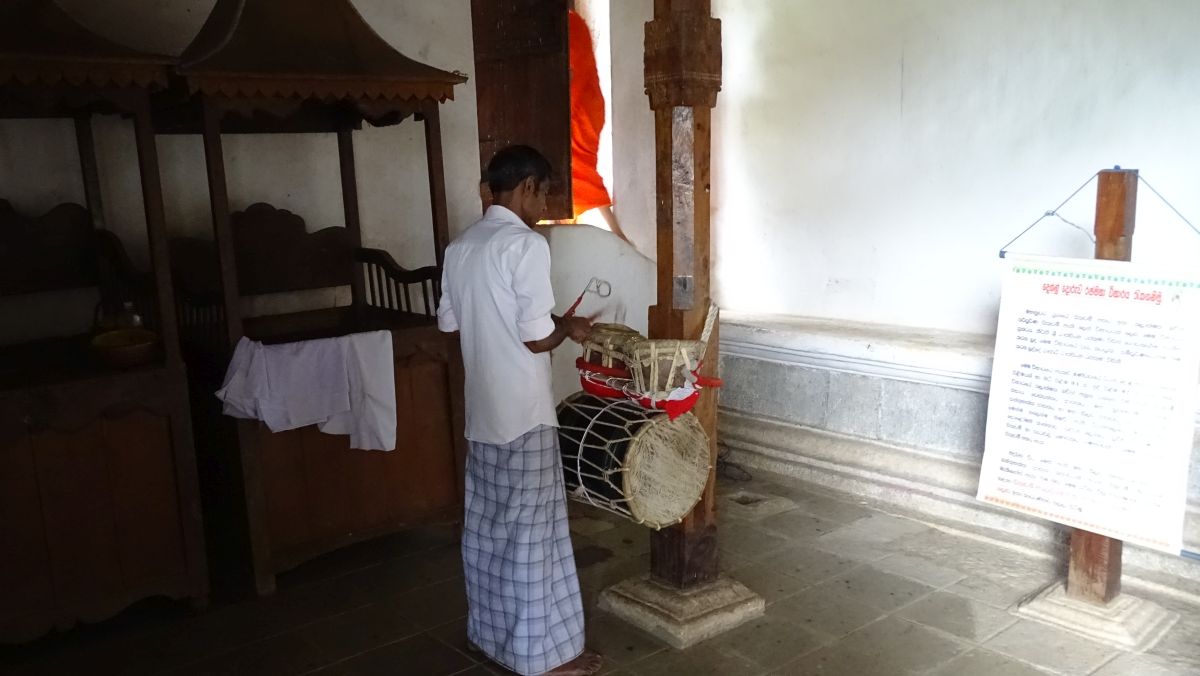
1093, 397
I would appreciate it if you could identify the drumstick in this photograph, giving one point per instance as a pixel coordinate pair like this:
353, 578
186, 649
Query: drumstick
602, 289
575, 306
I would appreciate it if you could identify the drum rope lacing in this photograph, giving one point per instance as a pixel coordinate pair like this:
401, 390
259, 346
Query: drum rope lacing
579, 490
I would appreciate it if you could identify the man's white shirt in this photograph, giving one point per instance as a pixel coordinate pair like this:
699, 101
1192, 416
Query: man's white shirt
496, 293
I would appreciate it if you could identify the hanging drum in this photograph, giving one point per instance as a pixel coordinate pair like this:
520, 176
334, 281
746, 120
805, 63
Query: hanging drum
605, 347
603, 370
637, 463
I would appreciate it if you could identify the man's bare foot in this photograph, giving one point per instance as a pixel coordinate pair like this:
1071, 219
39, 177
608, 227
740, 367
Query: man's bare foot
586, 664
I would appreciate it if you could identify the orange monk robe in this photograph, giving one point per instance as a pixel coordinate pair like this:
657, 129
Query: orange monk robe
587, 119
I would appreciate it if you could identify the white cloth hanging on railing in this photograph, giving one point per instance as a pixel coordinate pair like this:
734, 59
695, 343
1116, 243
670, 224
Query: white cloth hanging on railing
344, 385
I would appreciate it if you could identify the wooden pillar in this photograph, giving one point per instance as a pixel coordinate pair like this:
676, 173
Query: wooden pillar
247, 430
345, 139
168, 330
218, 202
1094, 572
437, 179
86, 144
683, 76
156, 228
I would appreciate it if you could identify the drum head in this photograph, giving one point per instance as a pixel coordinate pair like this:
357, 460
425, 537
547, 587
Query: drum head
614, 331
666, 469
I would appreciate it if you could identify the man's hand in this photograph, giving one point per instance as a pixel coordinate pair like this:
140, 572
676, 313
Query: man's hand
578, 329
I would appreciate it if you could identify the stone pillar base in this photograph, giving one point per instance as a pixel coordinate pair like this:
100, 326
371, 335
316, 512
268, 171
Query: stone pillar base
1128, 623
682, 617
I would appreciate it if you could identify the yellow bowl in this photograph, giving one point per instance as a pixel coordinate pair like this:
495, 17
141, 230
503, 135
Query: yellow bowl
125, 348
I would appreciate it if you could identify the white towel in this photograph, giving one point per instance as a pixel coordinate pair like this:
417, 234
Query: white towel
343, 385
371, 419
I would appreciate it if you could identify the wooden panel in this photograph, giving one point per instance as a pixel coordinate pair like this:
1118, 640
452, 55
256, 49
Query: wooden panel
431, 473
368, 497
53, 251
145, 497
327, 482
276, 253
284, 486
25, 564
80, 521
522, 78
321, 494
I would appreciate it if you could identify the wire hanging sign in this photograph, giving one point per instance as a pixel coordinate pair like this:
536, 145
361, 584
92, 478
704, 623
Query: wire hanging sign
1056, 212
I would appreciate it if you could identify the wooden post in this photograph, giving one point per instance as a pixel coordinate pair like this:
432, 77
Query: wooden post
437, 180
683, 76
94, 199
156, 230
345, 139
247, 430
1094, 573
218, 201
90, 171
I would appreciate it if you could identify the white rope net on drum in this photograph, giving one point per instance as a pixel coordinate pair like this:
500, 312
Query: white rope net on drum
630, 418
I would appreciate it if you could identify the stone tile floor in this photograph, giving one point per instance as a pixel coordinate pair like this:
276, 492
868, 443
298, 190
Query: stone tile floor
851, 591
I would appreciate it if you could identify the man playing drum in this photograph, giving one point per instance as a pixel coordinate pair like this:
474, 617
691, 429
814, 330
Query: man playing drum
525, 610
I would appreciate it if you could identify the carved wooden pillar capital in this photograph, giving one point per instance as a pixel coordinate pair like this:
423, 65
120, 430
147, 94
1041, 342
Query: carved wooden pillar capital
683, 56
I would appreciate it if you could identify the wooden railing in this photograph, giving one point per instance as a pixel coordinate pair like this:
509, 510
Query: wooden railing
391, 287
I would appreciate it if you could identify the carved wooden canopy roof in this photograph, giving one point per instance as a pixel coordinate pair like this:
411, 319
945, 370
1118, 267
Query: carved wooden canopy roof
41, 45
305, 49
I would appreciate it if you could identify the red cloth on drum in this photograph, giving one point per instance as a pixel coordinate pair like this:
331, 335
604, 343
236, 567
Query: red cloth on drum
673, 408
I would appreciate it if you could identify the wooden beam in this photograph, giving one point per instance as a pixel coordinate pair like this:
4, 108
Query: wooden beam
1094, 571
345, 138
156, 229
683, 71
94, 199
218, 201
1116, 204
86, 143
437, 181
247, 430
168, 330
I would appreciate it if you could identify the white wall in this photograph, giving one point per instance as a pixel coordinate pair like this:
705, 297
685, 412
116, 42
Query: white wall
632, 125
870, 158
39, 165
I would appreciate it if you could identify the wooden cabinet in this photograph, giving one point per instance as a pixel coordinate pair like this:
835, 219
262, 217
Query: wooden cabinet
98, 505
276, 500
320, 494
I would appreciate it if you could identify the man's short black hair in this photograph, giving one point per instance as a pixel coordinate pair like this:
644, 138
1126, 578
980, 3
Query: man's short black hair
514, 164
